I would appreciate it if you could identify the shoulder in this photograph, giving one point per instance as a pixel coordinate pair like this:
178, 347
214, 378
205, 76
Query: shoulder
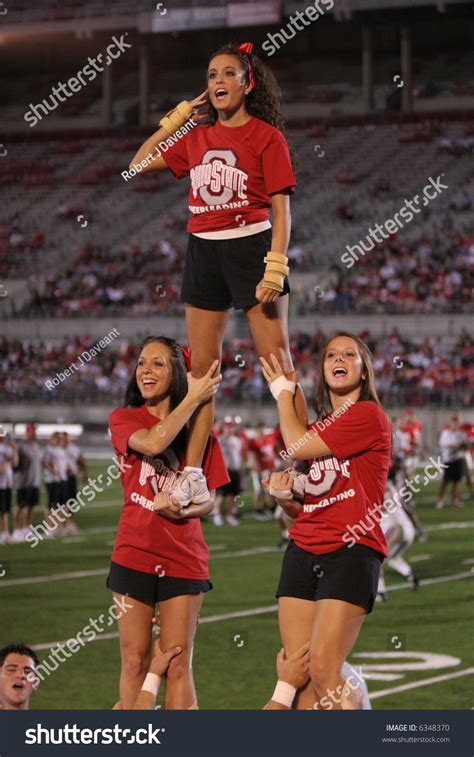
122, 414
268, 134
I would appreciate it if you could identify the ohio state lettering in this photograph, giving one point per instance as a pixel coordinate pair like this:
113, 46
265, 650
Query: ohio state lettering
217, 180
323, 473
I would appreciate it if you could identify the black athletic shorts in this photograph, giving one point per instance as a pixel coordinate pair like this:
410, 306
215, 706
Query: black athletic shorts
149, 588
350, 574
28, 496
54, 490
223, 273
5, 501
233, 487
454, 472
71, 488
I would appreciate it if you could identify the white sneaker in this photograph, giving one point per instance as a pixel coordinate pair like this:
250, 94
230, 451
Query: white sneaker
17, 536
190, 487
3, 538
71, 528
439, 504
298, 485
218, 519
231, 521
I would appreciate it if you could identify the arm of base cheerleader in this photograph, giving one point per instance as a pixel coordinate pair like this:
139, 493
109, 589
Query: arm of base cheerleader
146, 699
199, 511
293, 673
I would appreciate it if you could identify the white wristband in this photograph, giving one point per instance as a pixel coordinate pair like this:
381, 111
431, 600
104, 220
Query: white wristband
280, 384
284, 693
280, 494
151, 683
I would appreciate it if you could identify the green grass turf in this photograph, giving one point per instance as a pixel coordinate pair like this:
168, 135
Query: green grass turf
436, 619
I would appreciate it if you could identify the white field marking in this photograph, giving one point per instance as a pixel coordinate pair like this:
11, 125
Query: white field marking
420, 558
101, 571
423, 682
73, 539
255, 610
469, 561
447, 526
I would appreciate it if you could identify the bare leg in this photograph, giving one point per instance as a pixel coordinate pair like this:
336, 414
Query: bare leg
336, 628
178, 621
206, 329
135, 640
296, 619
269, 327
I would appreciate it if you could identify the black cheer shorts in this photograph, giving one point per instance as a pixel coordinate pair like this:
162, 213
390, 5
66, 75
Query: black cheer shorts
223, 273
151, 588
350, 574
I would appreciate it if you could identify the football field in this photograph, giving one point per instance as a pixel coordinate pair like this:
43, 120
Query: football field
416, 650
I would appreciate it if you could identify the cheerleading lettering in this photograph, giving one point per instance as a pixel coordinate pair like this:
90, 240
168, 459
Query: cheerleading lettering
218, 181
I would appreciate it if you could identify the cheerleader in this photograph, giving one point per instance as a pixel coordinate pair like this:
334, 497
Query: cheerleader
239, 166
160, 560
328, 585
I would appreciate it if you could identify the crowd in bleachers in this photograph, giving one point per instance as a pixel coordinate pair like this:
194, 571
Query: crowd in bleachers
413, 371
427, 276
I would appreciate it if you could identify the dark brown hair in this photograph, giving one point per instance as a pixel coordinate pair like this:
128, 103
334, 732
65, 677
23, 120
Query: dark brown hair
265, 100
368, 391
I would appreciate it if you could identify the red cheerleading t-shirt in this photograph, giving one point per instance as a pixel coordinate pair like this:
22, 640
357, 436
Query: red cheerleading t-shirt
344, 486
233, 172
144, 539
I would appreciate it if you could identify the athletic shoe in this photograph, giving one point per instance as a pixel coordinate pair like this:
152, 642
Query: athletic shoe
17, 536
458, 504
382, 596
231, 521
415, 582
439, 504
218, 519
71, 528
190, 487
421, 535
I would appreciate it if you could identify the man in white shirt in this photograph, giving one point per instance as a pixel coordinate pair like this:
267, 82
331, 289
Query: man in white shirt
452, 444
8, 460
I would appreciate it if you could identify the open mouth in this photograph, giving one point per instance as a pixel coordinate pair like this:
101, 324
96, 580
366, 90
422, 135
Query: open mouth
149, 382
20, 686
339, 372
221, 93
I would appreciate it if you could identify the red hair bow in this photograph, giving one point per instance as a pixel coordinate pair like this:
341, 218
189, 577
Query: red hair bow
245, 48
187, 357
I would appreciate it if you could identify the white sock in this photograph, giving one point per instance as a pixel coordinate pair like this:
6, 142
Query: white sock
381, 587
194, 470
401, 566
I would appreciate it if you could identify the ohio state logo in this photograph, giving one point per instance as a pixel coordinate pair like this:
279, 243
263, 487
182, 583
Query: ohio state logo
217, 180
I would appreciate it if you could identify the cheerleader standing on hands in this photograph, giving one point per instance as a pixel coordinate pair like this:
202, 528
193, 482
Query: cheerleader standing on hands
239, 165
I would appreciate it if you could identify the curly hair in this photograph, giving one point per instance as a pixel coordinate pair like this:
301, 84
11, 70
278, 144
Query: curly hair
265, 100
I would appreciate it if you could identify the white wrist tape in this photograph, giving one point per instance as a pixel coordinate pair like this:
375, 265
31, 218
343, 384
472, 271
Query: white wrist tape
284, 693
151, 683
285, 494
280, 384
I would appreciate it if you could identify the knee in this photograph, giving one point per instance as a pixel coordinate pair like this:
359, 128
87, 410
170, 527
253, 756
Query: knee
200, 364
322, 672
179, 666
134, 663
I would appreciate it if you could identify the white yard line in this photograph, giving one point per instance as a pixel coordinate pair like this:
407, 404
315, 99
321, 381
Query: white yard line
420, 558
423, 682
259, 610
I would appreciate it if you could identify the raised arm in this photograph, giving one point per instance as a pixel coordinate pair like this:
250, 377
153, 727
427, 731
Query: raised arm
154, 440
157, 163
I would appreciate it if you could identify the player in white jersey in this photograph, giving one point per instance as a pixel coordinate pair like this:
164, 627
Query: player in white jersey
55, 477
399, 531
75, 464
8, 460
